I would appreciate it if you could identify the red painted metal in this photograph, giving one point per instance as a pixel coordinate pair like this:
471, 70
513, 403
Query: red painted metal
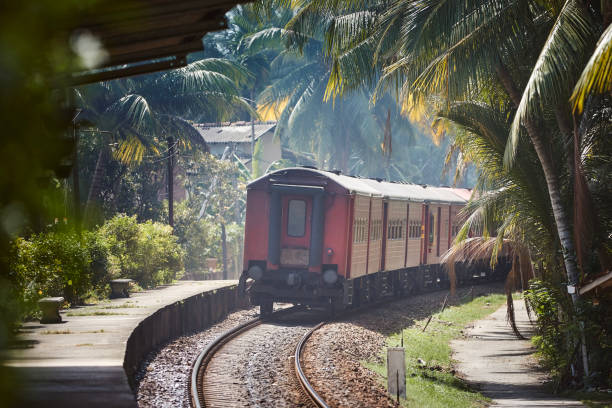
256, 226
350, 208
438, 223
368, 237
406, 234
335, 226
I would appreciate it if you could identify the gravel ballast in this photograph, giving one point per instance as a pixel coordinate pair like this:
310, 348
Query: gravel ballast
332, 359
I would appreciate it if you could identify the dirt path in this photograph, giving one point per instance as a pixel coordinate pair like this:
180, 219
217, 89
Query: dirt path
501, 366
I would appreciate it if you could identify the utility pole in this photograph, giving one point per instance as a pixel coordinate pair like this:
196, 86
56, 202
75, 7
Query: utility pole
171, 181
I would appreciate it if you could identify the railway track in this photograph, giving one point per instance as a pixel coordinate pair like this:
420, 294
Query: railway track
215, 382
305, 384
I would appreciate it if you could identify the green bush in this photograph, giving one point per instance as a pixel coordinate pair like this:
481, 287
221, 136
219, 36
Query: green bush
52, 263
147, 252
558, 334
200, 239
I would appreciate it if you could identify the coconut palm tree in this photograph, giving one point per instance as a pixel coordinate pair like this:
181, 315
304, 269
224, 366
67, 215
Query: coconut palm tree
153, 112
442, 52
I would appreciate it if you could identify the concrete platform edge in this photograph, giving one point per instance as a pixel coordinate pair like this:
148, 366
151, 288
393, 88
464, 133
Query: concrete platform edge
183, 317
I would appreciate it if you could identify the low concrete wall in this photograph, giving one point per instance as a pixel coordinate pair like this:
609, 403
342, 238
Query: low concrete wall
189, 315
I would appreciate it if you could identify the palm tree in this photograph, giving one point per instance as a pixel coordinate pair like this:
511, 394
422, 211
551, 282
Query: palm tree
346, 133
149, 112
443, 52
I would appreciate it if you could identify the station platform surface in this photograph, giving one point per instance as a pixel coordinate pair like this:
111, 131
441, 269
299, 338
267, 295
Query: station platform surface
79, 362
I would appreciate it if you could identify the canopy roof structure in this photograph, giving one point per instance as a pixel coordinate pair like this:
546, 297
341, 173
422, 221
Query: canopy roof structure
140, 36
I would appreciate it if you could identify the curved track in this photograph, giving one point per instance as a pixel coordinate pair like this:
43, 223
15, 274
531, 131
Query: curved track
235, 370
308, 388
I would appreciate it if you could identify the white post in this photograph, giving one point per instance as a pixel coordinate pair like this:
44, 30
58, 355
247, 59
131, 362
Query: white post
396, 372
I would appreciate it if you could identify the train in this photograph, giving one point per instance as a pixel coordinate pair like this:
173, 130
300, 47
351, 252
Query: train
321, 238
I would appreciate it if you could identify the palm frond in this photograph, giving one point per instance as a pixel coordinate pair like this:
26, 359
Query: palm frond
556, 68
597, 74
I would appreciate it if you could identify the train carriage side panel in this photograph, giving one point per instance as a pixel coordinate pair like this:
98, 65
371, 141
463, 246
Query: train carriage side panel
396, 235
376, 234
415, 214
455, 222
444, 231
256, 226
435, 232
335, 227
359, 244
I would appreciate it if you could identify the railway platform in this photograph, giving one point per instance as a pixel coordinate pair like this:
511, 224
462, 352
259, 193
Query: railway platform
80, 362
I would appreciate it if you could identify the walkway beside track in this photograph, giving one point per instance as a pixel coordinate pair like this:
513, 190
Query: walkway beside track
79, 363
503, 367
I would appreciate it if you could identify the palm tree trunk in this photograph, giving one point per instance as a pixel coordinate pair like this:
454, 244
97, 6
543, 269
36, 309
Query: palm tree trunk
224, 250
76, 191
170, 180
554, 193
96, 181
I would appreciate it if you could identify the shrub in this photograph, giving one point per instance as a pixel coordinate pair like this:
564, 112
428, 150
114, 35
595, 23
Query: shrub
147, 252
54, 263
200, 239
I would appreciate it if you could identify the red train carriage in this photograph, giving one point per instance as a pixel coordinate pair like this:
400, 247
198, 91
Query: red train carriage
321, 238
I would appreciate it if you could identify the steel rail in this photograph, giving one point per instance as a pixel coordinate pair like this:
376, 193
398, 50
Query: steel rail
196, 391
308, 388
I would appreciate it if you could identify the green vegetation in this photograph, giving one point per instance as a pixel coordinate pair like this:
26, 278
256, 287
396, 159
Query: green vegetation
434, 385
76, 265
521, 90
516, 89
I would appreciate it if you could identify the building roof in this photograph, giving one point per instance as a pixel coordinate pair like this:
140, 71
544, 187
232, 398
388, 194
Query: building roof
370, 187
236, 133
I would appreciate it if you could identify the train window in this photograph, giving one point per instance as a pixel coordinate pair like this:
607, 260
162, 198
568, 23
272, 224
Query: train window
360, 231
296, 219
376, 230
395, 229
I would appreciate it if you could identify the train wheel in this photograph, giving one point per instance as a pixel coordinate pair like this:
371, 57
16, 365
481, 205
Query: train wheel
266, 307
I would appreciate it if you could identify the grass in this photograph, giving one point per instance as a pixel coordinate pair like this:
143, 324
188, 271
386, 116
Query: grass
434, 384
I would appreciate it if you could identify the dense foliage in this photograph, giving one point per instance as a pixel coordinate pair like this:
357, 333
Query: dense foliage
520, 87
146, 252
79, 264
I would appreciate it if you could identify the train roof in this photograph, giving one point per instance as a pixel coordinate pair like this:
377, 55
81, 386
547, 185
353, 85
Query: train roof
371, 187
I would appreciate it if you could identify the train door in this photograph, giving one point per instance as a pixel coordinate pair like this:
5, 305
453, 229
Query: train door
295, 230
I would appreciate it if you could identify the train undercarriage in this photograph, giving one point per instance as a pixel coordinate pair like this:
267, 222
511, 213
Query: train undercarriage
307, 288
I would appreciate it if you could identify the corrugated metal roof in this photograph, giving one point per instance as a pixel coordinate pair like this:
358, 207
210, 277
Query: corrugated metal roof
370, 187
232, 133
